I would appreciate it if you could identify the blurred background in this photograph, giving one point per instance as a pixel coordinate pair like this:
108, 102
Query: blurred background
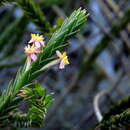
99, 73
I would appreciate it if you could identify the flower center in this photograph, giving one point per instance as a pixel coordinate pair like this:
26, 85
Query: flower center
30, 49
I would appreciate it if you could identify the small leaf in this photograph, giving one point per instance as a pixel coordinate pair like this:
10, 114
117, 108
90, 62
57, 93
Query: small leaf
40, 91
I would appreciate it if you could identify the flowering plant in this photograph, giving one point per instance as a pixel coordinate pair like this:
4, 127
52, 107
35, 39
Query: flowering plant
40, 57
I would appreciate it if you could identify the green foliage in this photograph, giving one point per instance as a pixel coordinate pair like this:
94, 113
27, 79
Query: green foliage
60, 38
2, 2
33, 11
49, 3
118, 108
59, 23
117, 117
15, 41
35, 115
115, 122
39, 101
26, 75
87, 1
11, 45
6, 19
12, 29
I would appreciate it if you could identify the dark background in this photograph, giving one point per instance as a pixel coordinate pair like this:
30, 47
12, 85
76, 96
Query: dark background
105, 82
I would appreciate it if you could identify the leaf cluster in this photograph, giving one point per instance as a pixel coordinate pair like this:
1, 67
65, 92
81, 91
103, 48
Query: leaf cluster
38, 101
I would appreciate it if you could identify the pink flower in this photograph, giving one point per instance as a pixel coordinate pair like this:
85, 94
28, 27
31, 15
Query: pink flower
31, 52
37, 40
64, 59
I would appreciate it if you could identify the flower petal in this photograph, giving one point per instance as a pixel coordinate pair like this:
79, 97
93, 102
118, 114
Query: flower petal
64, 54
33, 57
42, 43
37, 44
31, 41
66, 61
38, 51
58, 53
62, 64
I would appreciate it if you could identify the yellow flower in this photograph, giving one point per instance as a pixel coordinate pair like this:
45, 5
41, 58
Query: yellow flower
37, 40
64, 59
31, 51
37, 37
